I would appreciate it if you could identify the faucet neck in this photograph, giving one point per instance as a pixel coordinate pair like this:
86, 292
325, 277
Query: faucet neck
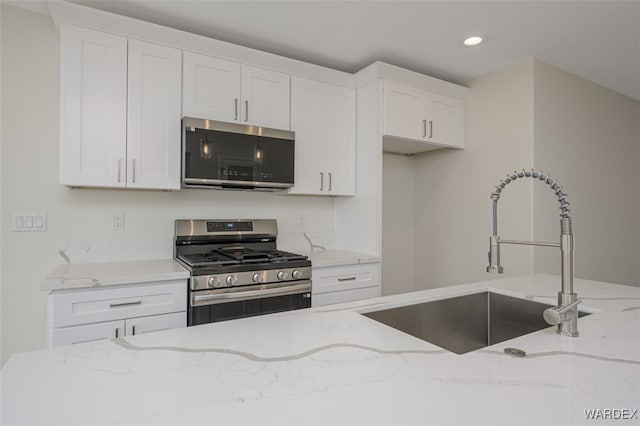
566, 249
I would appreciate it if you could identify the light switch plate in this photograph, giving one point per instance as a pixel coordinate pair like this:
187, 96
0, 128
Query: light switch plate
30, 222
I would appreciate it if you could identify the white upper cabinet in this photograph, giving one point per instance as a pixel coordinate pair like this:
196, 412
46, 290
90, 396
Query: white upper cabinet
403, 113
421, 119
323, 118
445, 122
93, 131
265, 98
153, 130
120, 112
224, 90
340, 142
211, 88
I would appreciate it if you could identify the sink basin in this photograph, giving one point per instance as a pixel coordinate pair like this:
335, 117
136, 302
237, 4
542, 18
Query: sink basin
466, 323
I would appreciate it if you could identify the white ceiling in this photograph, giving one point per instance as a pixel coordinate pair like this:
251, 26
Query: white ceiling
598, 40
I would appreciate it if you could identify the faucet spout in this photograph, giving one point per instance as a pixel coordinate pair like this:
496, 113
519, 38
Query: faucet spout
565, 315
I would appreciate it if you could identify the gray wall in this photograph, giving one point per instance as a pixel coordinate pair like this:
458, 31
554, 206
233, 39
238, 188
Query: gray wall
398, 224
587, 137
453, 209
529, 115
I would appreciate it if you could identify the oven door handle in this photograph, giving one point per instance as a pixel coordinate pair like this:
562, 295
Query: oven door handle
210, 299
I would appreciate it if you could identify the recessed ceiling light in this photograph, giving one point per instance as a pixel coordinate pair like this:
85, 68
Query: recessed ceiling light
473, 40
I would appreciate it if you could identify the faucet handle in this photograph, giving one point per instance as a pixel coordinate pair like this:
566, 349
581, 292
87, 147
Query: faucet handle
560, 314
494, 256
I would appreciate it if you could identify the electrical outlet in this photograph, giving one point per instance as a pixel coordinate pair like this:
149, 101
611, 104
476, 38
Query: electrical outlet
118, 221
300, 222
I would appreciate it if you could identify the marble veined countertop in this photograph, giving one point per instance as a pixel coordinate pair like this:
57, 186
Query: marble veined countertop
331, 365
79, 275
333, 257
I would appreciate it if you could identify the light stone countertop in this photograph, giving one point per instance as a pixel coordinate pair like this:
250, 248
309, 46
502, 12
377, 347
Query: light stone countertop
333, 257
81, 275
331, 365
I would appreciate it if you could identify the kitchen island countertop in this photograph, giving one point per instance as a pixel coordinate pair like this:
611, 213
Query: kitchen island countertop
331, 365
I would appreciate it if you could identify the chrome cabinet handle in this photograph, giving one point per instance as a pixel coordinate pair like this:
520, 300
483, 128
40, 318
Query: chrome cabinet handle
235, 102
118, 305
330, 181
246, 108
119, 170
347, 279
424, 128
430, 129
321, 181
133, 171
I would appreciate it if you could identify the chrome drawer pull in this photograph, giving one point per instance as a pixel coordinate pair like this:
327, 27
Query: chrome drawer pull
118, 305
347, 279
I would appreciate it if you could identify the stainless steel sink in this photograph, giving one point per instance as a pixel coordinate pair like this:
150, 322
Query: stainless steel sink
465, 323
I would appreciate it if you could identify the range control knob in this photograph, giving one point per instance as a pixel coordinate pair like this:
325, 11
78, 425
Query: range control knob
257, 278
214, 282
282, 275
296, 274
231, 280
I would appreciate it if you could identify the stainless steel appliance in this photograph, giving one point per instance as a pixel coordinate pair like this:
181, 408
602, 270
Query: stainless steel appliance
237, 271
234, 156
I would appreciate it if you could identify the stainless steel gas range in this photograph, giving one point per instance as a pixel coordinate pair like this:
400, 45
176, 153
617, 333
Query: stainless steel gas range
237, 271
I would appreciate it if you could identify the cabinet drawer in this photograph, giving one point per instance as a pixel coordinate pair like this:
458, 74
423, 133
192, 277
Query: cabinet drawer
85, 306
344, 296
345, 278
142, 325
85, 333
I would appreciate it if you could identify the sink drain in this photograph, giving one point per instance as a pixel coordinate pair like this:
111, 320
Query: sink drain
519, 353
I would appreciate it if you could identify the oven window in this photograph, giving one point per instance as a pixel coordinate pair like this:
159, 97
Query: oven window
217, 155
247, 308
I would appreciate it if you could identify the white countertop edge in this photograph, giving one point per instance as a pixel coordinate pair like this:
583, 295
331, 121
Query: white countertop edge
336, 257
84, 275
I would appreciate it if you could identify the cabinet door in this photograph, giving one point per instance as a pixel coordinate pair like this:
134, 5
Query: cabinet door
265, 98
403, 107
445, 117
141, 325
345, 283
339, 140
86, 333
211, 88
93, 97
153, 128
307, 119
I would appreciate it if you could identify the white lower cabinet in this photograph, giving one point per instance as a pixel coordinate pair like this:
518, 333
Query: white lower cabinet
82, 315
340, 284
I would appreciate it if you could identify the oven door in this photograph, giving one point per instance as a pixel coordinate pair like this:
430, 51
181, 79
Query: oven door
231, 303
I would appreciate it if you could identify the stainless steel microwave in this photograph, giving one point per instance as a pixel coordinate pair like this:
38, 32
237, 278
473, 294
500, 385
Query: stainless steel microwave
222, 155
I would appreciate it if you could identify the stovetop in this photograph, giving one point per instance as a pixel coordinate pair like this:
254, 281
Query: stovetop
229, 246
238, 255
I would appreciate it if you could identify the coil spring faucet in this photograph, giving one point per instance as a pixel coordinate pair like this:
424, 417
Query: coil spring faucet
565, 315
